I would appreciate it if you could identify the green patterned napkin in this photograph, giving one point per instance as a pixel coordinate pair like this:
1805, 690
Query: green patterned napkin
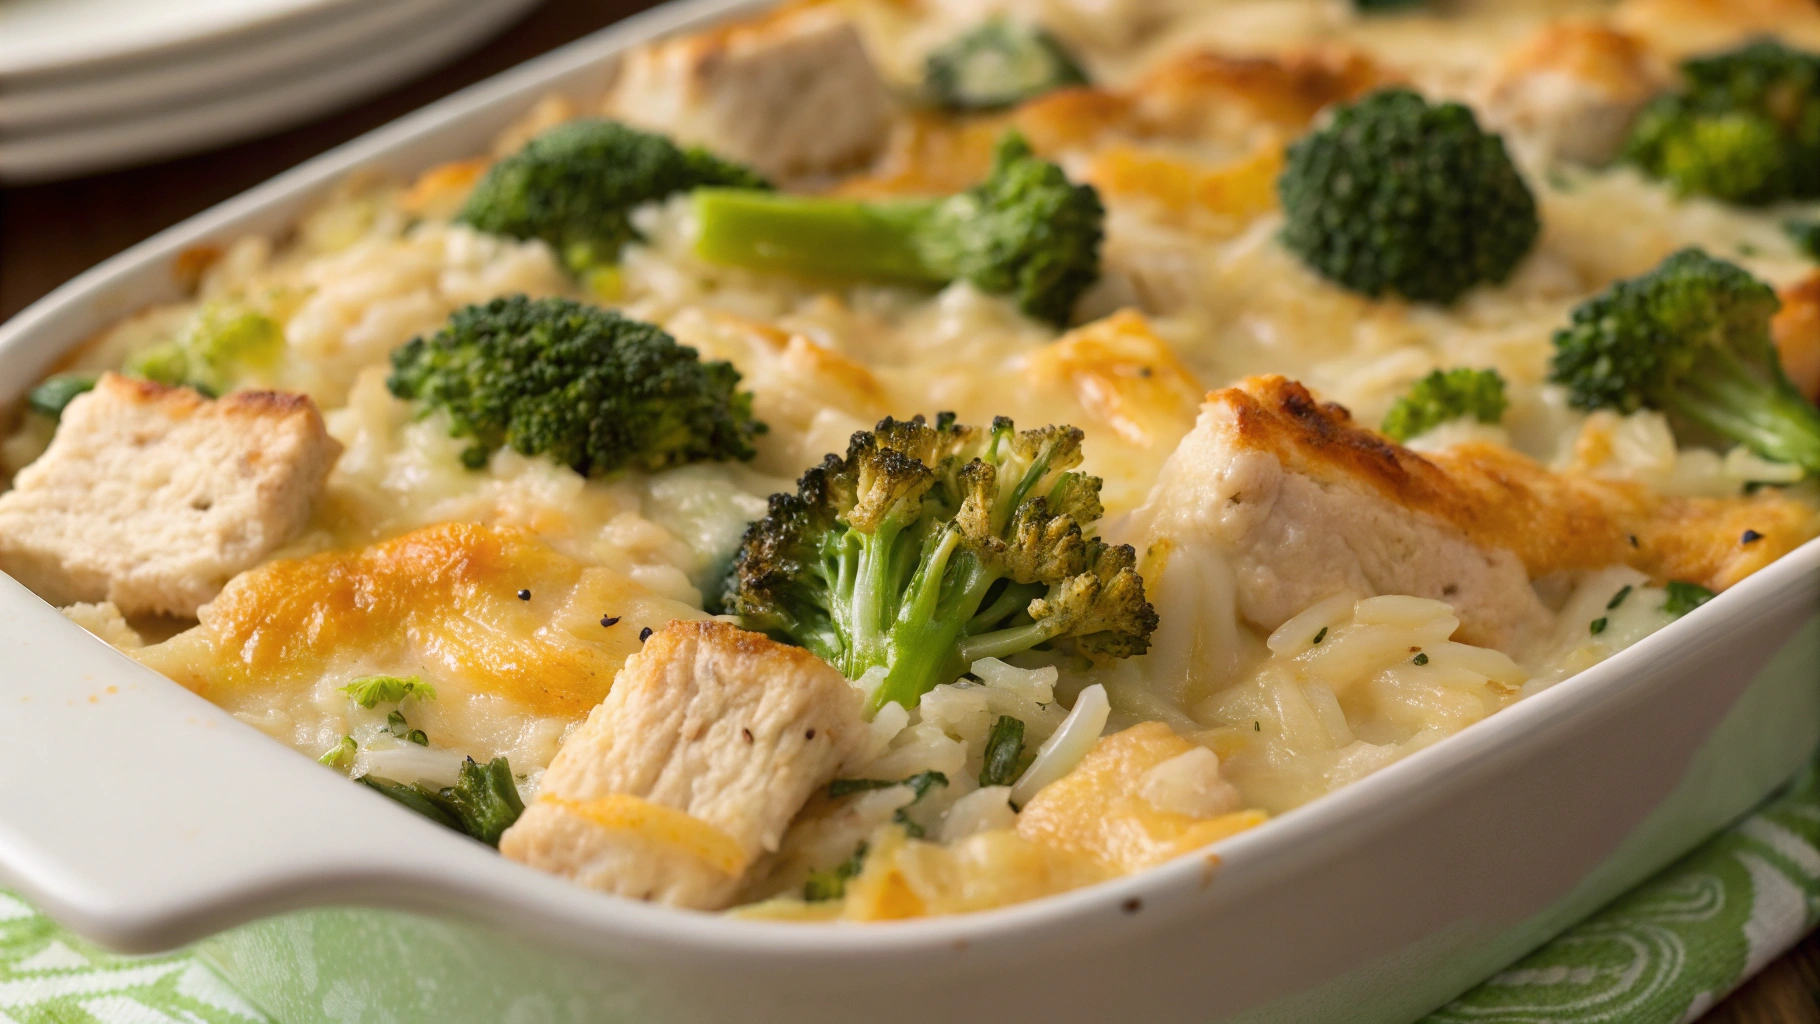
1662, 954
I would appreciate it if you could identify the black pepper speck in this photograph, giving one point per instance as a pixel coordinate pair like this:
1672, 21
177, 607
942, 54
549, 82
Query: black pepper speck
644, 634
524, 595
1750, 537
608, 620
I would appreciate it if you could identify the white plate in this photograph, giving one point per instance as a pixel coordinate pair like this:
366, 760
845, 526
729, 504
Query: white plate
54, 36
233, 114
143, 816
117, 92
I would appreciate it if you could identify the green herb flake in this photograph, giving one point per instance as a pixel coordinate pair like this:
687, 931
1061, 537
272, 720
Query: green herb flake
1004, 745
341, 755
1685, 597
1420, 659
1618, 598
50, 397
1322, 635
419, 737
370, 691
396, 725
831, 883
1599, 624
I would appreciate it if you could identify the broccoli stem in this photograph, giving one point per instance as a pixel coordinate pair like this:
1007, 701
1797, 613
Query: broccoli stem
1766, 413
924, 642
835, 238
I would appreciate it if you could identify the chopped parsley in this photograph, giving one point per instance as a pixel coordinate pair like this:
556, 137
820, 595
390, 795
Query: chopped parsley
1685, 597
1420, 659
1618, 598
831, 884
370, 691
1598, 625
341, 755
1004, 745
919, 784
1322, 635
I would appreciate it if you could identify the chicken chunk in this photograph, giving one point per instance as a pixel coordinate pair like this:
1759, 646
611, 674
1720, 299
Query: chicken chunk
1575, 88
710, 741
792, 93
153, 497
1303, 503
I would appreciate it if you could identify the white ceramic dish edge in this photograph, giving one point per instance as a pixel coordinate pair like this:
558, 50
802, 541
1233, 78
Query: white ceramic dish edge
220, 825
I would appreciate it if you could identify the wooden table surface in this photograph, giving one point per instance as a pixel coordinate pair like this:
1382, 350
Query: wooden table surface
51, 232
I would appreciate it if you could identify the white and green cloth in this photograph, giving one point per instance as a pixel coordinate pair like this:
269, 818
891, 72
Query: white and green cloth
1662, 954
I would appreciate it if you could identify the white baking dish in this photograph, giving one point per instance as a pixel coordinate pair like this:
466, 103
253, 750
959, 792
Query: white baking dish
144, 817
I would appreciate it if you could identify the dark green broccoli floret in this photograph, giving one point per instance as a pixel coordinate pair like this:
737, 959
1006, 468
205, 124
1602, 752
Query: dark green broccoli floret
217, 346
575, 187
1026, 232
929, 547
1806, 236
1745, 127
51, 396
584, 385
1396, 196
1690, 338
1446, 395
998, 64
483, 803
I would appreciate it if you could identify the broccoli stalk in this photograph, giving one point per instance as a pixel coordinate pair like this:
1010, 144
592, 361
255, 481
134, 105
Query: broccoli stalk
1444, 396
1026, 232
575, 187
1397, 196
1690, 338
998, 64
584, 385
929, 547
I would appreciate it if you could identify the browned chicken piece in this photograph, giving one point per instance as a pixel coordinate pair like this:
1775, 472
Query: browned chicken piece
153, 497
790, 93
1241, 102
1575, 87
1305, 503
1683, 28
709, 743
1796, 330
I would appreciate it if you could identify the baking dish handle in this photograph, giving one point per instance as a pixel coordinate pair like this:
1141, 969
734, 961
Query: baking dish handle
142, 817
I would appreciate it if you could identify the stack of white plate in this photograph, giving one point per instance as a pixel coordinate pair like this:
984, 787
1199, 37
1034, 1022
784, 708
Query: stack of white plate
87, 85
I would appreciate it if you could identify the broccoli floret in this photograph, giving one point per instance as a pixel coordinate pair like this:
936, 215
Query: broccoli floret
1806, 236
56, 392
930, 546
1690, 338
998, 64
1744, 128
584, 385
1397, 196
1446, 395
575, 187
217, 345
1026, 232
369, 691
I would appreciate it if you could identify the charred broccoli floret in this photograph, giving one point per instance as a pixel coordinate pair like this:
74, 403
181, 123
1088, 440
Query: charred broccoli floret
998, 64
575, 187
930, 546
1026, 232
1690, 338
1446, 395
483, 803
1744, 128
1397, 196
584, 385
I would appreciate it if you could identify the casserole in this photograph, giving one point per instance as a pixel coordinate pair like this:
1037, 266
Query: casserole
1393, 895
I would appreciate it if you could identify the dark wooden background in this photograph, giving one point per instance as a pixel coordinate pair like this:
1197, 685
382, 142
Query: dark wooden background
49, 233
